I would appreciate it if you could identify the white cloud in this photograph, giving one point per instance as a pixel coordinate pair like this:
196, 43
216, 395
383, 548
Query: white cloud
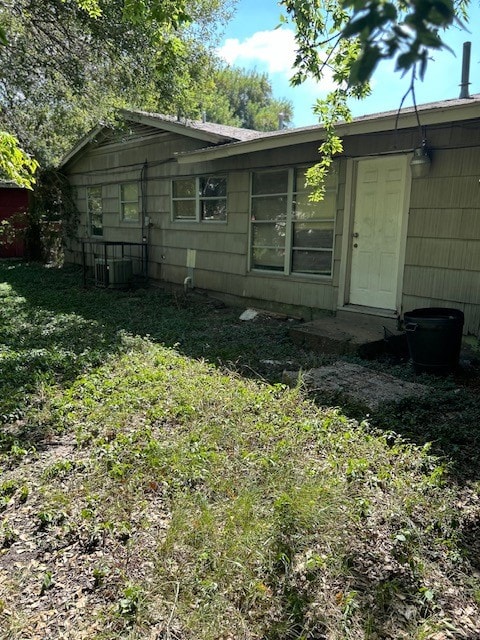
272, 50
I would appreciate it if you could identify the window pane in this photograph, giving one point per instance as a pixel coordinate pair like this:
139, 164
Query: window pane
270, 208
269, 235
130, 211
94, 198
270, 182
272, 259
303, 209
184, 209
184, 188
96, 224
129, 192
319, 262
94, 203
95, 210
314, 234
214, 209
213, 187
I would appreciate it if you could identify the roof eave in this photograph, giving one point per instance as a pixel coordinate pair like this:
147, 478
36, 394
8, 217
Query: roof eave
363, 125
174, 127
11, 184
157, 123
91, 135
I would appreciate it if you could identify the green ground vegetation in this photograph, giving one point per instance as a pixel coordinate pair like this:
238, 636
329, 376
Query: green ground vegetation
157, 481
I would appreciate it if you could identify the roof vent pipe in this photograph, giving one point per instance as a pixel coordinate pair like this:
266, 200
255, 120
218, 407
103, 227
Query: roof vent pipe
465, 70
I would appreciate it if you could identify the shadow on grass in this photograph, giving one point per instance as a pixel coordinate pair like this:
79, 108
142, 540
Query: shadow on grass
197, 327
52, 329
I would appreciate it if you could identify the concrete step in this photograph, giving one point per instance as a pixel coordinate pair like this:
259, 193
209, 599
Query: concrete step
351, 334
369, 316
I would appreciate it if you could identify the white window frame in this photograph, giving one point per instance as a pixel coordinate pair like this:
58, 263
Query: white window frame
198, 199
90, 213
123, 202
290, 221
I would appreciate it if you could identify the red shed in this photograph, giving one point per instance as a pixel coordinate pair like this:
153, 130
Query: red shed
13, 199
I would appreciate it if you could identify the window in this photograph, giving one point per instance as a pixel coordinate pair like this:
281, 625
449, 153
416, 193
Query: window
201, 199
129, 209
95, 211
313, 228
184, 199
269, 219
213, 198
290, 234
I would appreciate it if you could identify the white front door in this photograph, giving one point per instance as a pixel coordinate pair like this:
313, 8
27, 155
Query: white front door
377, 231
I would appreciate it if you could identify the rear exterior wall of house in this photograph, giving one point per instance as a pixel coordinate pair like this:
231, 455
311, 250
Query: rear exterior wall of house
235, 253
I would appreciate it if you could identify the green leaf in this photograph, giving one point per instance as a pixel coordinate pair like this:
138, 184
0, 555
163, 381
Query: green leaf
47, 582
363, 68
16, 164
3, 37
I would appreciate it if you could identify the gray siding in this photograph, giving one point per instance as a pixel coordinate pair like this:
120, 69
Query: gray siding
221, 248
442, 261
442, 266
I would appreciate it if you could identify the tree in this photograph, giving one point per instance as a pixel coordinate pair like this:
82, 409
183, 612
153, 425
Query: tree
244, 98
71, 63
350, 38
15, 164
33, 33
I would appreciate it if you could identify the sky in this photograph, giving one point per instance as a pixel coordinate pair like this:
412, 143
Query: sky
252, 41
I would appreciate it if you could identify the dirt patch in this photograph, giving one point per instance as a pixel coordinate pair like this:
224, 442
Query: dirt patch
358, 383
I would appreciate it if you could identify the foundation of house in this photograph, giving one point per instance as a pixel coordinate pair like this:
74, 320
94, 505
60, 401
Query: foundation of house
351, 332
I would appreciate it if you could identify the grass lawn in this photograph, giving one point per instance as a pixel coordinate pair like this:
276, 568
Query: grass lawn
157, 482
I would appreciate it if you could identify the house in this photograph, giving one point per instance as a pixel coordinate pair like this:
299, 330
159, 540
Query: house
226, 210
13, 200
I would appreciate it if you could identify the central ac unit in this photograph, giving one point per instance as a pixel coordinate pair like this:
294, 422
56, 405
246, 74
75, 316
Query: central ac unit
116, 272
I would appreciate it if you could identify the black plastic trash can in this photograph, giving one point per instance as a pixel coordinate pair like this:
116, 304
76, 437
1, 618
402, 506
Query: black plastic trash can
434, 337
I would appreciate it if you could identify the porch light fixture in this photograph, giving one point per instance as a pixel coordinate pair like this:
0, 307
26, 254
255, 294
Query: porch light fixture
420, 163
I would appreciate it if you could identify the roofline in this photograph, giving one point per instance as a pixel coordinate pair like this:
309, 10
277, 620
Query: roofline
11, 184
372, 123
87, 138
152, 121
173, 127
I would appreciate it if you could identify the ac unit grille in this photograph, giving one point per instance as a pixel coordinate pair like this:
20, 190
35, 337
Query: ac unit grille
117, 272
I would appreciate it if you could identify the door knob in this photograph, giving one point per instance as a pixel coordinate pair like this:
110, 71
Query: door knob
355, 235
355, 245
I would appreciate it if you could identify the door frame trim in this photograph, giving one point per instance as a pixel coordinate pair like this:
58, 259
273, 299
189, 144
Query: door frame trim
348, 220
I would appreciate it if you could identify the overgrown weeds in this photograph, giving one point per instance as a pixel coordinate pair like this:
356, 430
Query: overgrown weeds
149, 493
